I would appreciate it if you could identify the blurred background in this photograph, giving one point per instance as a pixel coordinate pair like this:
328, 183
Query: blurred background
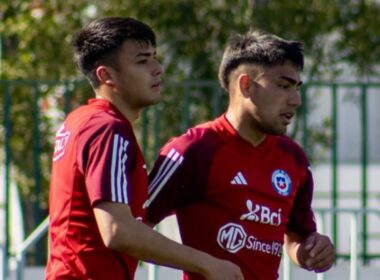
338, 124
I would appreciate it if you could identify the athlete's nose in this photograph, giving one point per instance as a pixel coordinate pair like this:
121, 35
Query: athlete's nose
295, 99
157, 70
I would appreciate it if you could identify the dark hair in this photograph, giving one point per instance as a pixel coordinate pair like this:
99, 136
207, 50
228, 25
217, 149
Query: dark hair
259, 48
99, 42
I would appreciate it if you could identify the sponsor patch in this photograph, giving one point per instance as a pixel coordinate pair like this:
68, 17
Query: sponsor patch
232, 238
261, 214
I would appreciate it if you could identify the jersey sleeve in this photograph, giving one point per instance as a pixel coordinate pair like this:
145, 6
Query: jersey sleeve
106, 158
171, 185
301, 219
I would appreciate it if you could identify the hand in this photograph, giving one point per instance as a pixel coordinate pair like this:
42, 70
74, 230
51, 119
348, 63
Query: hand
316, 253
223, 270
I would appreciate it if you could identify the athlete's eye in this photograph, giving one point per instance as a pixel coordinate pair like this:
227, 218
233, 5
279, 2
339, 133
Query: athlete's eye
144, 61
284, 86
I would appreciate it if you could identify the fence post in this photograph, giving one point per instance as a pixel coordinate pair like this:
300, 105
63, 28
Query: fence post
36, 163
364, 163
321, 222
144, 132
186, 107
31, 240
216, 97
156, 130
354, 247
67, 93
334, 194
7, 147
152, 272
304, 111
286, 269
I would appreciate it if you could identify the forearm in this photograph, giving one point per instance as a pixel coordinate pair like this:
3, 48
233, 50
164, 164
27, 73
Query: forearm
122, 232
292, 244
151, 246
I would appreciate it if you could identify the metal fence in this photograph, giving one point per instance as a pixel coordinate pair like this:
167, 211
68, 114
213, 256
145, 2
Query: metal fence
352, 230
33, 109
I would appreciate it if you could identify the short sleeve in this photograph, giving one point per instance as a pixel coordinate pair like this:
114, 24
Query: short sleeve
165, 182
301, 220
106, 156
180, 174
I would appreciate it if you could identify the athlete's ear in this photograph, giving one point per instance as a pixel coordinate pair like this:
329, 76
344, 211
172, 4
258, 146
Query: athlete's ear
104, 75
244, 84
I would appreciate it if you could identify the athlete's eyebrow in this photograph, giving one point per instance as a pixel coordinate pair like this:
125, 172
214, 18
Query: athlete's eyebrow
145, 54
292, 81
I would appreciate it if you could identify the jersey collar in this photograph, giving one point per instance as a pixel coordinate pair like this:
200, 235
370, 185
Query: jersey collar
107, 106
229, 132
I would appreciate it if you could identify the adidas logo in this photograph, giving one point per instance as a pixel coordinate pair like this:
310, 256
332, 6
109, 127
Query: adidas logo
239, 179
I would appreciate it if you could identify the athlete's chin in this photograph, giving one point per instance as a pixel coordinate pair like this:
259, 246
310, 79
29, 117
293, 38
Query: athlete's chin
282, 132
277, 130
156, 98
152, 101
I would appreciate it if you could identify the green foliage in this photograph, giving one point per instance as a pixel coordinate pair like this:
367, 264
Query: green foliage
359, 41
191, 34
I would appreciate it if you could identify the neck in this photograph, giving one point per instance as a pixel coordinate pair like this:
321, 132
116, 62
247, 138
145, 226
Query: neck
124, 108
246, 129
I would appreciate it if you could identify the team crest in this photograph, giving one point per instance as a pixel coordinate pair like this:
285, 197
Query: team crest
281, 182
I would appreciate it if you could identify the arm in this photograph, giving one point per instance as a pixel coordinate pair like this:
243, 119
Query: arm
315, 252
121, 232
306, 247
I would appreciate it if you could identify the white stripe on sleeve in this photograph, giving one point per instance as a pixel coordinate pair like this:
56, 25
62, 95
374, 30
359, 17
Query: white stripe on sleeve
113, 167
124, 167
119, 182
168, 167
165, 166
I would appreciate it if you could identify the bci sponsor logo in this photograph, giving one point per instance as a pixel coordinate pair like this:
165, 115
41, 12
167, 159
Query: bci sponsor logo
262, 214
232, 238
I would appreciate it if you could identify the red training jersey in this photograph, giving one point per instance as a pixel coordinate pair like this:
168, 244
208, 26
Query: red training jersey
233, 200
96, 158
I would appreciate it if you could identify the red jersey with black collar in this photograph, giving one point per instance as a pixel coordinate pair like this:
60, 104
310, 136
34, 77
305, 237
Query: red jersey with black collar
96, 158
233, 200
